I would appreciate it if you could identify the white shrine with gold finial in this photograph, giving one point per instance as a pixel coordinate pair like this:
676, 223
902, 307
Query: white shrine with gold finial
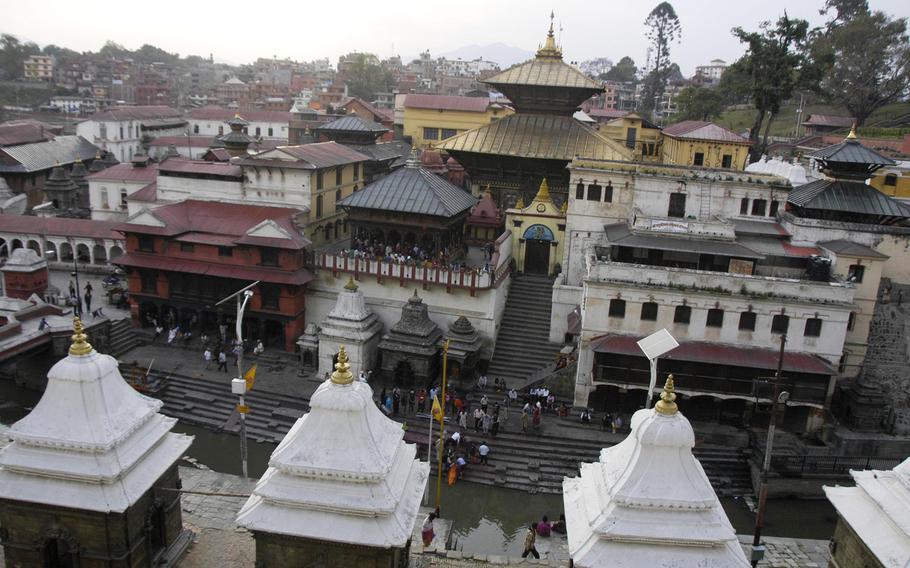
648, 502
352, 324
343, 475
92, 442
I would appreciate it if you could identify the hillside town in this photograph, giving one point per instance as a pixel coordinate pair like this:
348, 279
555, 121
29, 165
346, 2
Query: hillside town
449, 311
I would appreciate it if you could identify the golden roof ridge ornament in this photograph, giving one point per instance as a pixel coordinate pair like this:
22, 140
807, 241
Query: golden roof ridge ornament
549, 49
351, 286
852, 134
80, 345
543, 194
342, 374
520, 204
667, 403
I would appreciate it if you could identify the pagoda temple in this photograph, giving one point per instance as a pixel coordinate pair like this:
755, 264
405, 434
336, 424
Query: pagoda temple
648, 502
410, 350
90, 475
237, 140
513, 154
350, 323
342, 489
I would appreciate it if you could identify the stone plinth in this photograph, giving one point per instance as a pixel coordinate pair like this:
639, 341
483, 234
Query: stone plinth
24, 274
353, 325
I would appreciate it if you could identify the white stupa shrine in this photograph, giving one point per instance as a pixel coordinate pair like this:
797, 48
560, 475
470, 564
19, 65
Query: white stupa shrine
648, 502
352, 324
873, 528
343, 484
93, 452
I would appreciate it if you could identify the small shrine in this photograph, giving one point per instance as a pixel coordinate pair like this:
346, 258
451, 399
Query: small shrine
410, 351
61, 190
486, 220
342, 489
648, 502
352, 324
237, 140
538, 233
873, 519
465, 344
308, 347
90, 475
24, 274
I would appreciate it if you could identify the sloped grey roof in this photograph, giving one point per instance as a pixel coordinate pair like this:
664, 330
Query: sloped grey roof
412, 190
849, 248
395, 150
353, 123
846, 196
851, 152
44, 155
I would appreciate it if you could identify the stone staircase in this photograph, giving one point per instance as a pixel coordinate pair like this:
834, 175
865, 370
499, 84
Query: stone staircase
522, 346
122, 337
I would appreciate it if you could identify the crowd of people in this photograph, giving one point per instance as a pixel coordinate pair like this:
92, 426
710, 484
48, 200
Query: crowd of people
451, 257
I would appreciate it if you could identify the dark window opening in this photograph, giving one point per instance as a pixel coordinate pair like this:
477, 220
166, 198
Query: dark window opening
855, 273
608, 194
258, 131
146, 243
631, 135
617, 308
318, 206
447, 133
649, 311
225, 251
759, 206
773, 211
187, 247
677, 205
744, 206
715, 318
320, 179
699, 159
270, 131
337, 196
891, 179
682, 314
148, 282
851, 321
594, 192
338, 176
268, 256
780, 323
726, 161
747, 321
580, 191
270, 296
356, 172
813, 327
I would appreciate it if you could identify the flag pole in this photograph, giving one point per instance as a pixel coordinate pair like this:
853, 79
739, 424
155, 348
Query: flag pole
442, 403
426, 494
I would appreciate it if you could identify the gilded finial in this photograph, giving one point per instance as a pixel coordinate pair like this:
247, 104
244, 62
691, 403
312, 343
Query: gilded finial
565, 207
80, 345
236, 115
351, 286
667, 403
520, 204
549, 49
852, 135
342, 374
543, 194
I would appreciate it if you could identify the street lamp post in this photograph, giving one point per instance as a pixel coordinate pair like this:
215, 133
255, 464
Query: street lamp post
77, 307
238, 385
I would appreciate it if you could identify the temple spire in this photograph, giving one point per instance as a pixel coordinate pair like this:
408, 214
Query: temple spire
667, 403
80, 345
543, 194
549, 49
342, 374
852, 134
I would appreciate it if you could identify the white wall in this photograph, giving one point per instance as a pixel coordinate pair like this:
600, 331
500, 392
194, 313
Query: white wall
111, 210
210, 128
278, 186
106, 134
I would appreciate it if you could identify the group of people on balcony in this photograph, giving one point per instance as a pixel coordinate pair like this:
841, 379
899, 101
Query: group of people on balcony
412, 254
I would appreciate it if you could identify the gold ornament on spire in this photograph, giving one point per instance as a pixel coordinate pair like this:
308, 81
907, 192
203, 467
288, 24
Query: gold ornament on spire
565, 207
342, 374
543, 194
549, 49
520, 204
80, 345
351, 286
667, 403
852, 134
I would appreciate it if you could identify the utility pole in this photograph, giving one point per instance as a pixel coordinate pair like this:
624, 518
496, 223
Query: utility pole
238, 385
778, 398
442, 421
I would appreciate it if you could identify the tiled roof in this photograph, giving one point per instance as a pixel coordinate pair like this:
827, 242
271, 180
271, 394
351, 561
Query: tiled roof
182, 141
325, 154
217, 218
126, 172
849, 248
846, 197
249, 273
701, 130
24, 132
548, 137
412, 190
86, 228
225, 114
353, 123
544, 72
829, 120
184, 166
381, 113
44, 155
850, 151
136, 113
606, 113
148, 194
447, 102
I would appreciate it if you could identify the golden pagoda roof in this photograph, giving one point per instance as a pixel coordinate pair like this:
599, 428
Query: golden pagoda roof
548, 137
545, 70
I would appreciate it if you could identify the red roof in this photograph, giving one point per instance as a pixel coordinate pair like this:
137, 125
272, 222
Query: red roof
447, 102
325, 154
184, 166
25, 132
261, 273
718, 354
184, 141
381, 114
701, 130
485, 213
829, 120
59, 226
606, 113
148, 194
126, 172
136, 113
216, 218
224, 114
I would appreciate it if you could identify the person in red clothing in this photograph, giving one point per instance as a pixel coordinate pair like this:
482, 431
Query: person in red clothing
544, 527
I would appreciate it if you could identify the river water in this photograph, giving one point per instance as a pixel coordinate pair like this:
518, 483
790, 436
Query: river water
488, 520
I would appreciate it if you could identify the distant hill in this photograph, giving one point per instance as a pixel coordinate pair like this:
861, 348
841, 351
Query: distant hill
504, 55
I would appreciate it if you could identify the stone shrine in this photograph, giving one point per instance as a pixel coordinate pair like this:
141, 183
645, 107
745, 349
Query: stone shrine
342, 489
308, 347
648, 502
90, 478
410, 351
24, 274
464, 350
352, 324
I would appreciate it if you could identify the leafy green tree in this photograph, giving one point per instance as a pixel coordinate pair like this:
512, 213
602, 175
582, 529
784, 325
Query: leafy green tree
61, 53
365, 76
735, 84
865, 56
113, 50
699, 103
624, 72
775, 59
13, 54
663, 29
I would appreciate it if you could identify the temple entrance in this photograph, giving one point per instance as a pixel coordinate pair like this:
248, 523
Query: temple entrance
537, 257
157, 529
58, 554
404, 374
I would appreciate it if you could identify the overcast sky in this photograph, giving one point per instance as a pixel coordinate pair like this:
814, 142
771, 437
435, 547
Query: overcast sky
310, 30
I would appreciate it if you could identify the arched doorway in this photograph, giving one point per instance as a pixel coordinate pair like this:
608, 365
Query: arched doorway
35, 247
66, 252
59, 551
17, 244
51, 250
115, 252
538, 242
4, 248
100, 254
82, 253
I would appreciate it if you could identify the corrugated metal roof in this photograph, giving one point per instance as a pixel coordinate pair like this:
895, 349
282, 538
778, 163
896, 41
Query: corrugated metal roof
702, 130
26, 224
136, 113
352, 123
544, 72
447, 102
24, 132
127, 172
719, 354
184, 166
225, 114
548, 137
849, 248
846, 196
263, 274
756, 227
851, 152
412, 190
829, 120
324, 154
44, 155
619, 234
395, 150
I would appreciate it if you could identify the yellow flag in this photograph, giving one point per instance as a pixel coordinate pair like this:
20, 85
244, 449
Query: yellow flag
250, 377
437, 410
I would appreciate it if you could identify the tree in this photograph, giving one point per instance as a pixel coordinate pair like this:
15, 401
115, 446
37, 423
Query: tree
774, 61
151, 54
699, 103
596, 67
663, 28
624, 72
113, 50
365, 76
60, 53
13, 54
735, 84
866, 58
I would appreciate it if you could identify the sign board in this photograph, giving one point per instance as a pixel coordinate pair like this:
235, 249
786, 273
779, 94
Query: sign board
670, 226
657, 344
243, 409
739, 266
